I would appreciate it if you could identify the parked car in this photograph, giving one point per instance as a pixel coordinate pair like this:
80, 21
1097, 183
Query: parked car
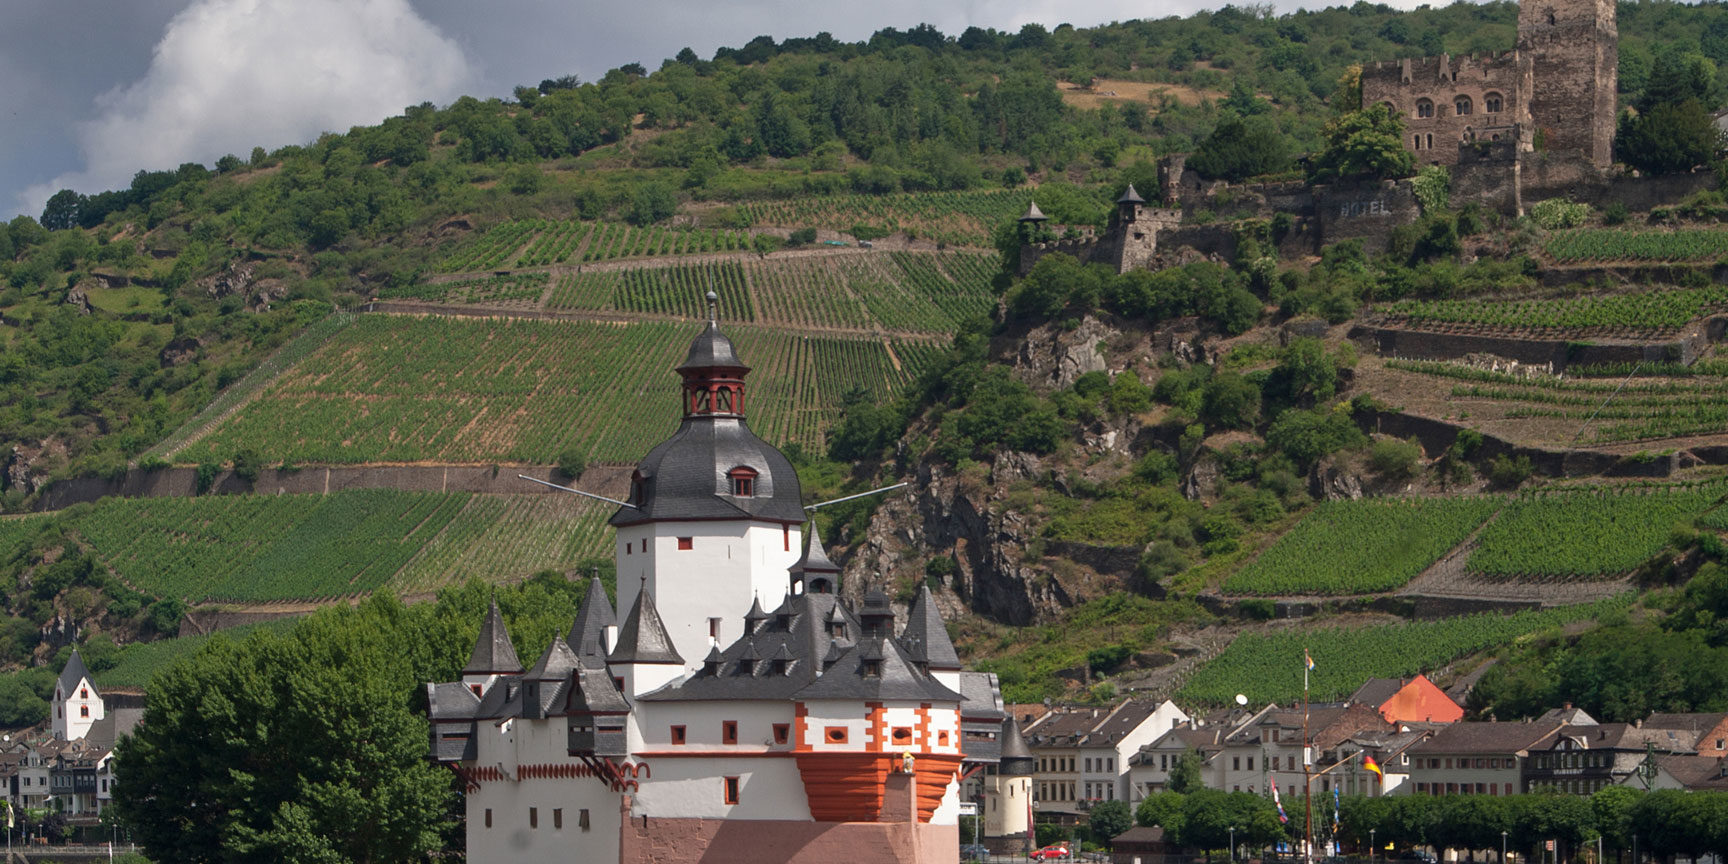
974, 852
1053, 852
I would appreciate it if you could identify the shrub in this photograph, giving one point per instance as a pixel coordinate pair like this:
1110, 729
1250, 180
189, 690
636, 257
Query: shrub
247, 464
572, 462
1507, 472
1394, 459
1557, 213
802, 237
206, 476
1257, 608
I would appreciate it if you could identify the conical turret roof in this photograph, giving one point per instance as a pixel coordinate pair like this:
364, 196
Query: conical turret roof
493, 653
1130, 197
587, 633
555, 664
815, 558
643, 638
1016, 757
926, 636
1033, 214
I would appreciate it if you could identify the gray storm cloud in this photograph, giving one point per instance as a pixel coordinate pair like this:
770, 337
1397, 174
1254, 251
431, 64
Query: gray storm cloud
229, 75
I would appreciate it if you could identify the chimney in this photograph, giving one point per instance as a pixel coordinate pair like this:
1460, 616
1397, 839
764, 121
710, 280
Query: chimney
1638, 723
1568, 706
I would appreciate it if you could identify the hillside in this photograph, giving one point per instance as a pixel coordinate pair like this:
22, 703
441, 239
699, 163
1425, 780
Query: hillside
1164, 481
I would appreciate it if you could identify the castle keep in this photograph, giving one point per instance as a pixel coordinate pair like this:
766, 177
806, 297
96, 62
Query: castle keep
1555, 92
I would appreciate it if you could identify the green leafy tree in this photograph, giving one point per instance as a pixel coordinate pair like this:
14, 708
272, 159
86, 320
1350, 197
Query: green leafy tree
1162, 809
1185, 775
652, 202
299, 748
1108, 819
1365, 144
1668, 138
1242, 147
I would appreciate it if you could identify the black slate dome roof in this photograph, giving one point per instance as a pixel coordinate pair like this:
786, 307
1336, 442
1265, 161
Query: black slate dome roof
687, 475
712, 349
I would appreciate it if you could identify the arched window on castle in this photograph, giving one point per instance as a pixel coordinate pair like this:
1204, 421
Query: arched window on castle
1424, 108
1461, 105
1492, 103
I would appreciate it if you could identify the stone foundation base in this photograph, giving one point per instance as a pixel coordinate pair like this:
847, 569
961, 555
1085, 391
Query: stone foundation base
718, 841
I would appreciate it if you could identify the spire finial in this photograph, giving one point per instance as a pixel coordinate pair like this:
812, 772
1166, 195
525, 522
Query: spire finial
713, 304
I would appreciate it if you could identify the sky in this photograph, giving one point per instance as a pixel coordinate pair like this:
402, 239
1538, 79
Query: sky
96, 90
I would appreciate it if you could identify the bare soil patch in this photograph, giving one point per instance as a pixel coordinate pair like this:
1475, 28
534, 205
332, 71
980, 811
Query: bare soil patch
1107, 91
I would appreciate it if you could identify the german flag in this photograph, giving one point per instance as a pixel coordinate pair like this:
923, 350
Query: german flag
1369, 763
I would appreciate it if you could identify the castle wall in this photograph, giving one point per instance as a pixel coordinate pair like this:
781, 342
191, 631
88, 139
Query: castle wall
1364, 211
1447, 100
716, 841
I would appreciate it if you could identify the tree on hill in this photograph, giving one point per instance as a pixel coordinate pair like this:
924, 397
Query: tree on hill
1360, 145
1673, 129
1241, 147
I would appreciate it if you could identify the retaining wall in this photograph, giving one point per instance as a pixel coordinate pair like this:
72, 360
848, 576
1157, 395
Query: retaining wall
1429, 345
610, 480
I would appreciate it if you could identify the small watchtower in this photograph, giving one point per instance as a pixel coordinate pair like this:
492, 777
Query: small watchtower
1133, 237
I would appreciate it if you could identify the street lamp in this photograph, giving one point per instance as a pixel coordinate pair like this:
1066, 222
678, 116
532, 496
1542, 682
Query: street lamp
1372, 853
1232, 844
1502, 847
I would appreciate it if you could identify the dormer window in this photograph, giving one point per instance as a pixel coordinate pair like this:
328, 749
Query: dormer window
837, 630
743, 482
872, 668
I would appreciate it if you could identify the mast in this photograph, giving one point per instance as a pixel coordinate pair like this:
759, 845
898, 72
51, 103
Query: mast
1307, 765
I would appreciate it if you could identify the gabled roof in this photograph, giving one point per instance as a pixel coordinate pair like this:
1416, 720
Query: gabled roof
587, 632
74, 672
493, 653
1375, 691
1420, 701
1625, 736
1695, 772
595, 693
1490, 738
1119, 723
981, 696
925, 635
643, 638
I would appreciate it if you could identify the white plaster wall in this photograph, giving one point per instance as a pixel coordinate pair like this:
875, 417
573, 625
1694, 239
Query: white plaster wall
821, 715
512, 838
1162, 720
728, 565
68, 725
1005, 805
640, 678
948, 812
769, 788
651, 725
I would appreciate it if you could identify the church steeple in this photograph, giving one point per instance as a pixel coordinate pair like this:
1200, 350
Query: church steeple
713, 374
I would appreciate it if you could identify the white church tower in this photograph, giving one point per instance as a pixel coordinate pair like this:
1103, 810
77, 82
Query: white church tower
714, 516
77, 703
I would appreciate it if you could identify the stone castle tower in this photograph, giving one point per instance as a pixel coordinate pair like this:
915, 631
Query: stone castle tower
1555, 92
1571, 48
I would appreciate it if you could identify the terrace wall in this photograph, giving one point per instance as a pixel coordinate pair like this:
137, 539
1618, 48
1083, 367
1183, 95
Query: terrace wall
610, 480
1430, 345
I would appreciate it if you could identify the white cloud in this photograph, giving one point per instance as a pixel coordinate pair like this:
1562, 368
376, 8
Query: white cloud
229, 75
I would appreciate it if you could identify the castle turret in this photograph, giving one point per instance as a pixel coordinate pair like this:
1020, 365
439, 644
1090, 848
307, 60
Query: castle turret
1571, 48
493, 655
595, 629
645, 657
1008, 793
714, 516
814, 571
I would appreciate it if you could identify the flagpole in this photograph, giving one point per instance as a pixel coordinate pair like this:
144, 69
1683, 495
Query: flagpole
1307, 766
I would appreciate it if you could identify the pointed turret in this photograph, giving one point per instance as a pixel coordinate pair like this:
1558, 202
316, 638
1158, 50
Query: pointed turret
493, 653
74, 673
814, 570
1033, 214
1016, 759
754, 619
643, 637
596, 624
926, 637
1130, 197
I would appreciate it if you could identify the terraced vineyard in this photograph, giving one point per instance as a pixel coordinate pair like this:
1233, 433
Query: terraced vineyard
928, 292
513, 289
1608, 245
1650, 310
525, 391
675, 290
1589, 534
1357, 547
1268, 667
269, 548
1616, 411
955, 218
136, 664
543, 242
